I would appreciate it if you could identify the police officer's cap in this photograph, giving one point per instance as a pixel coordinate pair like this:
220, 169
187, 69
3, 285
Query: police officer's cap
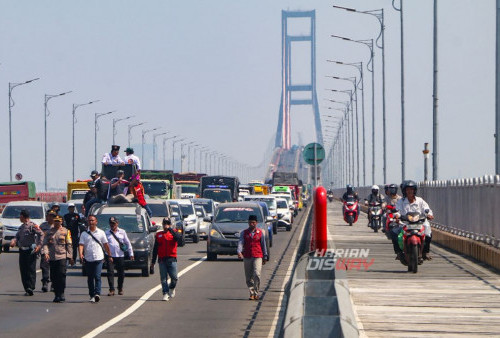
113, 219
94, 173
129, 150
252, 218
58, 219
51, 213
115, 148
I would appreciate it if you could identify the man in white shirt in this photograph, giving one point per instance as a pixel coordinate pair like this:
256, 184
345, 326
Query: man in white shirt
118, 244
112, 158
132, 159
92, 245
411, 202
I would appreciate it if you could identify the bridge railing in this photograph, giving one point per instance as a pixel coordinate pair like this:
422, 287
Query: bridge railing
466, 207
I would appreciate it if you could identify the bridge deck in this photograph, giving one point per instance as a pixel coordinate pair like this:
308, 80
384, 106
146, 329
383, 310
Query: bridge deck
449, 296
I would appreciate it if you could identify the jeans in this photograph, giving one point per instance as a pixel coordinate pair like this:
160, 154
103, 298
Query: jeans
27, 267
88, 205
148, 210
168, 267
58, 276
94, 277
118, 264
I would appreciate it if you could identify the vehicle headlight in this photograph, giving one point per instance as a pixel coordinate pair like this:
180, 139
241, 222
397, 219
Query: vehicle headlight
215, 233
413, 218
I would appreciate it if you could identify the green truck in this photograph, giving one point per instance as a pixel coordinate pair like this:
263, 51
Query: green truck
158, 183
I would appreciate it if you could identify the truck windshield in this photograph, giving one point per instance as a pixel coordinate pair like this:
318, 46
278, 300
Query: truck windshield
155, 188
221, 196
158, 210
190, 189
13, 211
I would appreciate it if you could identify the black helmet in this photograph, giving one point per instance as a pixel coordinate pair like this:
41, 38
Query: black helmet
408, 184
393, 189
349, 188
386, 188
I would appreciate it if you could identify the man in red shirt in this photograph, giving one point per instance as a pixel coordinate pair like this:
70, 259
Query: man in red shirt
137, 189
166, 249
253, 250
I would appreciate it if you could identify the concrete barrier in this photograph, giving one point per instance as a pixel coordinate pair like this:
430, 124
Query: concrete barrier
319, 303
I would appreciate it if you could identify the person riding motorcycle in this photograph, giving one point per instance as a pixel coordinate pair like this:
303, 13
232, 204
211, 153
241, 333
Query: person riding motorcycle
392, 196
411, 202
374, 198
350, 193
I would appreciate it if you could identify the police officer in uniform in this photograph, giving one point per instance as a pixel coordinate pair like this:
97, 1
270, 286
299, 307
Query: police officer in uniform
72, 221
29, 240
44, 263
58, 248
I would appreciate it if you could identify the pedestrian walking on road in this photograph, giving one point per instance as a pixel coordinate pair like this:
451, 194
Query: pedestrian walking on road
58, 249
120, 246
44, 263
93, 246
29, 240
253, 250
165, 248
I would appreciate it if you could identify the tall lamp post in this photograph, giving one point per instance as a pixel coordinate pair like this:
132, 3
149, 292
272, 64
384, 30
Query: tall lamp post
191, 145
359, 67
154, 147
75, 106
12, 104
173, 151
115, 121
130, 127
369, 44
379, 14
96, 127
144, 132
47, 113
201, 150
165, 139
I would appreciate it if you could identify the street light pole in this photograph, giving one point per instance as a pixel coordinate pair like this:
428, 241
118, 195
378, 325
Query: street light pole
115, 121
154, 147
96, 127
75, 106
11, 104
173, 152
144, 132
189, 155
435, 140
130, 127
165, 139
45, 115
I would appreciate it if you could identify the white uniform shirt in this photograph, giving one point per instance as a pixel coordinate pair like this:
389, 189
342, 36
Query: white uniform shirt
114, 246
133, 159
404, 206
110, 159
92, 250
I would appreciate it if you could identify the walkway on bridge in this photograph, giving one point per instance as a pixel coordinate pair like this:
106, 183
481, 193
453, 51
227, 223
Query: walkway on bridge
449, 296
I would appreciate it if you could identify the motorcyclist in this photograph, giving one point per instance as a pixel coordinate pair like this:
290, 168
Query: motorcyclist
411, 202
350, 194
392, 194
374, 198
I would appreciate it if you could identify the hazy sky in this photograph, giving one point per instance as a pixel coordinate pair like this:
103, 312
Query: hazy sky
211, 71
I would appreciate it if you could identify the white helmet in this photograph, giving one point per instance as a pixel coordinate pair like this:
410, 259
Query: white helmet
375, 187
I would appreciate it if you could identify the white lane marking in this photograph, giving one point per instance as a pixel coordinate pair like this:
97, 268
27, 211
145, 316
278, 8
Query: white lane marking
288, 275
137, 304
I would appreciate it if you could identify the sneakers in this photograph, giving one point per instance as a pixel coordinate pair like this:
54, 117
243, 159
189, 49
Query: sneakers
171, 293
97, 298
256, 297
56, 300
427, 256
92, 299
166, 297
29, 292
252, 297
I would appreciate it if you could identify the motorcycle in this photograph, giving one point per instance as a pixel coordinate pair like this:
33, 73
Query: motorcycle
350, 210
375, 211
330, 197
413, 239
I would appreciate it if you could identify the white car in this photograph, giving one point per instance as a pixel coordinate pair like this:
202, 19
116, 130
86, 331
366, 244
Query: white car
285, 216
203, 220
10, 218
270, 200
192, 224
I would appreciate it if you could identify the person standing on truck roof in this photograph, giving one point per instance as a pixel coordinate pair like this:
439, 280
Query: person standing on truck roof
132, 159
44, 263
137, 190
29, 240
112, 158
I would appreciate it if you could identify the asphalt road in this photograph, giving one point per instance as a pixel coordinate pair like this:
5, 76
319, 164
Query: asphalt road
211, 300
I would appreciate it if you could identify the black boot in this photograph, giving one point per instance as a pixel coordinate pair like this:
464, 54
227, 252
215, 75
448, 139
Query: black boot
45, 287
